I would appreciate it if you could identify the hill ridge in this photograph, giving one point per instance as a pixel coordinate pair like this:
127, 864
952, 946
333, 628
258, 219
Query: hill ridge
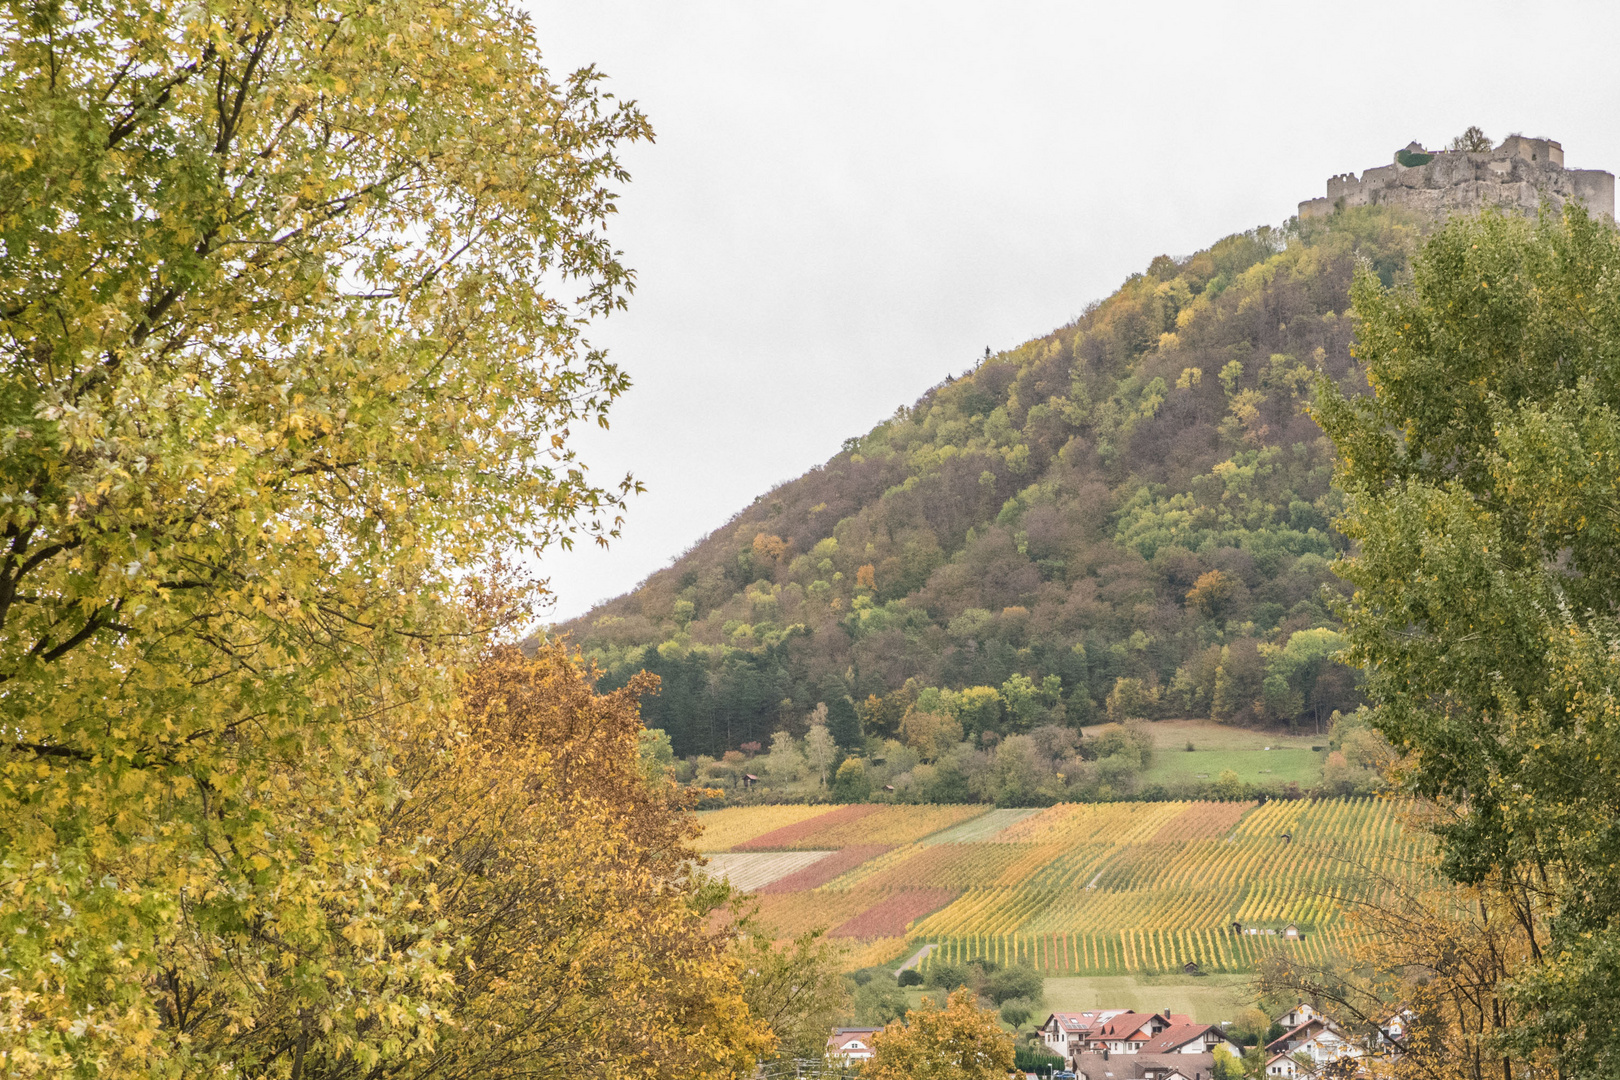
1128, 515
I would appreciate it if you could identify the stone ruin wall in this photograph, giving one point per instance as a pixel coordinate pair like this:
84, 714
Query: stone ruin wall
1515, 176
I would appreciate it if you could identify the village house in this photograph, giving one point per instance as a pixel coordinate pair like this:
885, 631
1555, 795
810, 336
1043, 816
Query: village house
1103, 1065
852, 1045
1127, 1032
1119, 1044
1065, 1033
1392, 1029
1298, 1015
1319, 1038
1190, 1039
1118, 1031
1284, 1065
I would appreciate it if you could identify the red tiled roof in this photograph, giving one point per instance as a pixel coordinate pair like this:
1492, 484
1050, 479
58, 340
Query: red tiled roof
1127, 1024
1176, 1036
1125, 1065
1282, 1040
1081, 1021
843, 1036
1123, 1025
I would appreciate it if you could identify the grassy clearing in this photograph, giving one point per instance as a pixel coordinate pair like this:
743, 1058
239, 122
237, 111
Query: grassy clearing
1218, 747
1211, 735
1208, 999
1280, 765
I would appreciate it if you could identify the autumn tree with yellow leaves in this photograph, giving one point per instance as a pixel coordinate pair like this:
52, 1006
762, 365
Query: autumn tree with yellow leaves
959, 1042
291, 309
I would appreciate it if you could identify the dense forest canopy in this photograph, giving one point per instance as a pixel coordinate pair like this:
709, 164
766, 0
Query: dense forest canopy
1128, 516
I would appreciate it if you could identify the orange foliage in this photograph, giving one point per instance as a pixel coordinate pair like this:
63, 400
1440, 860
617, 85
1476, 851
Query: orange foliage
771, 549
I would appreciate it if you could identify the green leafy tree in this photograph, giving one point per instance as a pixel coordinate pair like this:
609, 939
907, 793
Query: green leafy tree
879, 1002
1294, 672
1017, 1011
852, 784
1229, 1066
656, 756
1131, 699
1015, 982
794, 987
980, 708
1025, 705
1017, 773
1480, 480
785, 761
844, 724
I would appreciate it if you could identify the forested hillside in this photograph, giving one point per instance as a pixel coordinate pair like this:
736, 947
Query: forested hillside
1128, 516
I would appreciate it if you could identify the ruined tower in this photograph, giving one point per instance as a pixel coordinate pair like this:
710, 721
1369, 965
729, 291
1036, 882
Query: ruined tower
1516, 176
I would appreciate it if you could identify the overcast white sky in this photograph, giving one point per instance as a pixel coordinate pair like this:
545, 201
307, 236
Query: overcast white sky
847, 201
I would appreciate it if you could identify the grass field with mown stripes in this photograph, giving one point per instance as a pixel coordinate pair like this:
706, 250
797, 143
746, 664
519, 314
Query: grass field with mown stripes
1084, 889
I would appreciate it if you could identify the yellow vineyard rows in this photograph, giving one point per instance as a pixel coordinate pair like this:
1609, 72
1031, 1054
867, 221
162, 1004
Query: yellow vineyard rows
1126, 886
892, 825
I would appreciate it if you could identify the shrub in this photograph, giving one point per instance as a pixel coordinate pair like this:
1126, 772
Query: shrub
1033, 1059
911, 977
1015, 982
877, 1003
1016, 1011
852, 784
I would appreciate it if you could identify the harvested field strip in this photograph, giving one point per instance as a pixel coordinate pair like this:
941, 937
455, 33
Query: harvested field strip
724, 829
980, 829
824, 870
748, 871
887, 825
792, 836
1203, 820
890, 917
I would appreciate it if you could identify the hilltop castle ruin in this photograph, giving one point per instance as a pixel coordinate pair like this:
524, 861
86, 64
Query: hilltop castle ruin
1515, 176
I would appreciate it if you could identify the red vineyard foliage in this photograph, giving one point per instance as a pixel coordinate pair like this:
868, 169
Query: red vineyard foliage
890, 917
795, 835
